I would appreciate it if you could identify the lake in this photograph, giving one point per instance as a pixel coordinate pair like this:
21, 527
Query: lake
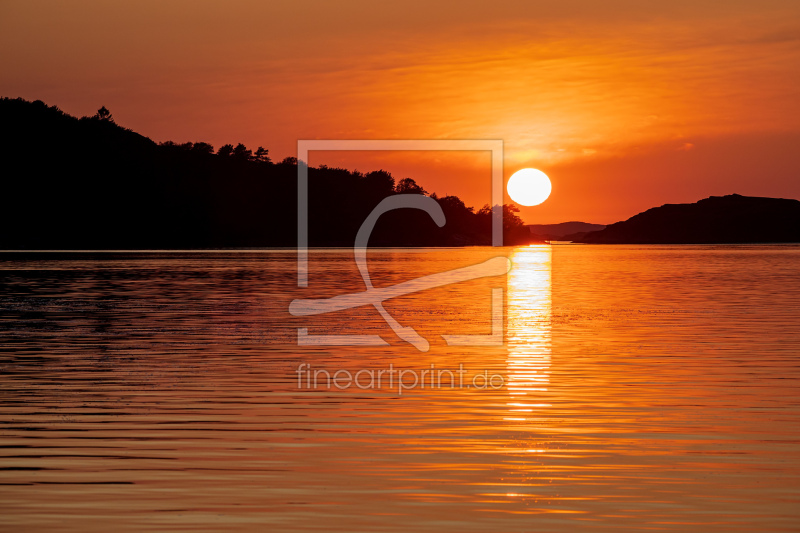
634, 387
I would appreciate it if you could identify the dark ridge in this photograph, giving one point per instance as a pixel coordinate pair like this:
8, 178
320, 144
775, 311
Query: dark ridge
727, 219
87, 183
562, 231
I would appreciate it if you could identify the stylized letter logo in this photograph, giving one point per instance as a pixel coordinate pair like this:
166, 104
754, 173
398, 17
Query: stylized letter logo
496, 266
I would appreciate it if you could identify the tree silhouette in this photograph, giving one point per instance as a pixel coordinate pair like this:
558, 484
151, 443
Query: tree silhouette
202, 148
104, 114
409, 186
225, 150
514, 229
379, 181
242, 153
510, 218
261, 155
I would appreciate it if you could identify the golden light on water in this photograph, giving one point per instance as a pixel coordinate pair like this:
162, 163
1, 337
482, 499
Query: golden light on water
529, 330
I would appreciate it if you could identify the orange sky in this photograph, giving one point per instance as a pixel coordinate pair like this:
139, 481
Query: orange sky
625, 105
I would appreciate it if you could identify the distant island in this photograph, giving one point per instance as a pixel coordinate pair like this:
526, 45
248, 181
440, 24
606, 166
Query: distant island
566, 231
88, 183
731, 219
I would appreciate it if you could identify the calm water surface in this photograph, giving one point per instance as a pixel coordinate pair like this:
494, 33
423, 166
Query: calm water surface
638, 388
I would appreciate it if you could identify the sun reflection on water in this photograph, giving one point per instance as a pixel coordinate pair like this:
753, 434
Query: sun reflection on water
529, 330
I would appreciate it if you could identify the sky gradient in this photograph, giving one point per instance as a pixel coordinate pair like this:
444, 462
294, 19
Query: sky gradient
625, 105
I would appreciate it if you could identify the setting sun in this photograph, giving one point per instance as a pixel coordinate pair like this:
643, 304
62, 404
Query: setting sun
529, 186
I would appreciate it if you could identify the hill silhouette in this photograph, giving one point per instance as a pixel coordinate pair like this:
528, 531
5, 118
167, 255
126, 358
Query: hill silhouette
562, 231
715, 220
88, 183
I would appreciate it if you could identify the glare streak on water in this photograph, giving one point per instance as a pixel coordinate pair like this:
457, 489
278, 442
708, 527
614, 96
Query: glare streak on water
644, 387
